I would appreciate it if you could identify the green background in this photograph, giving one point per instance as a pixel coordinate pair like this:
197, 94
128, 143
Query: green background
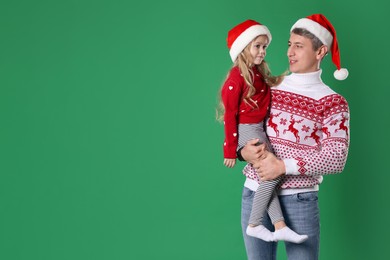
109, 147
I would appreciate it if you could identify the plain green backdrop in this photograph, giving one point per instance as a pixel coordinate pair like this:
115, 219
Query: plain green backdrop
109, 147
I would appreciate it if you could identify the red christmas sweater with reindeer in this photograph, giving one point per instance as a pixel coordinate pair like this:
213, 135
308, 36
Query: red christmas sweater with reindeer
308, 128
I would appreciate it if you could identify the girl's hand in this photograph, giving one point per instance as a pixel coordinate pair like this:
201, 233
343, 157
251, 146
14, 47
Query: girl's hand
229, 162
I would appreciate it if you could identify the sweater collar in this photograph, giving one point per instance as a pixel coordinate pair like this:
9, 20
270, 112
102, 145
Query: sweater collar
304, 79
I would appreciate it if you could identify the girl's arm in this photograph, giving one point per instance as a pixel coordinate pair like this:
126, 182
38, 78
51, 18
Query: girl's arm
231, 97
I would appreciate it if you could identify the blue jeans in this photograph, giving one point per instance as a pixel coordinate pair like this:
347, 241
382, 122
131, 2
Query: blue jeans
301, 214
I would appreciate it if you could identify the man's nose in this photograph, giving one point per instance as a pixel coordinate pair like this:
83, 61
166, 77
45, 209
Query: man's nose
290, 52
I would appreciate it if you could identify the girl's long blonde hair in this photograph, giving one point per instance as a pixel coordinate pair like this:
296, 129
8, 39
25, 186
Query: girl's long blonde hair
244, 64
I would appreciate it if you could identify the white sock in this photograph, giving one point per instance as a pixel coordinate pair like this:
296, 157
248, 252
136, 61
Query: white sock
260, 232
288, 235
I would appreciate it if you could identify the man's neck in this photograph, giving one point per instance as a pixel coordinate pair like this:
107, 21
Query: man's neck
305, 79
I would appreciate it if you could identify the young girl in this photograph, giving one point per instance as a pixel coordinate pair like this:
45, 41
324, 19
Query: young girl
245, 102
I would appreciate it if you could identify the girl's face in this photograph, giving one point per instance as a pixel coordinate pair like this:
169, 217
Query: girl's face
258, 49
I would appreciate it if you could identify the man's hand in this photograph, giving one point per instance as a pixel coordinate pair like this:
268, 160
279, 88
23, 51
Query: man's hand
269, 167
252, 152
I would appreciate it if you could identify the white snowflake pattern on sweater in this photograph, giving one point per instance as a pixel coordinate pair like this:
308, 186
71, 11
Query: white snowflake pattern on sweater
308, 128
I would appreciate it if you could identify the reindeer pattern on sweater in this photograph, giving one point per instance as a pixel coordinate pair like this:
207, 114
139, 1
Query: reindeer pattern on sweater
308, 127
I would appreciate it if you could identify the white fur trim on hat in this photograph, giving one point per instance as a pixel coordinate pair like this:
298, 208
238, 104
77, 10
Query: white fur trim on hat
246, 37
341, 74
315, 28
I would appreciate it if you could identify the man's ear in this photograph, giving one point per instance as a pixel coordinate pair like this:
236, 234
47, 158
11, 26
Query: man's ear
321, 52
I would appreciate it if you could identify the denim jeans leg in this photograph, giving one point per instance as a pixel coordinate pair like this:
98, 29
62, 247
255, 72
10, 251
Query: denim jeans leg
301, 213
256, 249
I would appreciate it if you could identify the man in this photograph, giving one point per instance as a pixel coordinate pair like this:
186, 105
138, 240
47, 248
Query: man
308, 128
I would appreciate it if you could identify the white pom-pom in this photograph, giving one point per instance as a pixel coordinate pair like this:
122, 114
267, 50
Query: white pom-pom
341, 74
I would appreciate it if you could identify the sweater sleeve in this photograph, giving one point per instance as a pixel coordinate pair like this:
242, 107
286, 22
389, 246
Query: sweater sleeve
331, 156
231, 98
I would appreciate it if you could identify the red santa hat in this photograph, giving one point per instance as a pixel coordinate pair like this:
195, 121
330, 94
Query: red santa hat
318, 25
242, 34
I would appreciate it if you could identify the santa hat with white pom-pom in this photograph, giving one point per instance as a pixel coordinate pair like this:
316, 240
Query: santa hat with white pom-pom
318, 25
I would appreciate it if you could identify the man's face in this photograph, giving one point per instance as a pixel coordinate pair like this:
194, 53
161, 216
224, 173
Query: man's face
301, 56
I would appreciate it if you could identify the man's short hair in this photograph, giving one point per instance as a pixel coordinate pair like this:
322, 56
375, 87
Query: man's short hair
317, 43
